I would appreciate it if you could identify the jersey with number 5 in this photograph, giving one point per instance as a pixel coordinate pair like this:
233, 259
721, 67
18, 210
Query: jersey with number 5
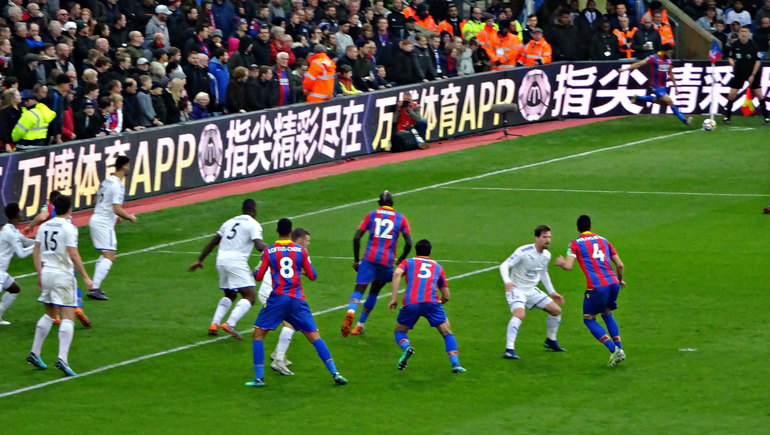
286, 261
237, 238
54, 236
424, 278
593, 252
384, 226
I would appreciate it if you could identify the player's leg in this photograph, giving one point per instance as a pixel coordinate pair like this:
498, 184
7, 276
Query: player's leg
258, 356
104, 240
757, 91
668, 101
42, 328
241, 308
647, 98
224, 304
66, 333
594, 302
434, 313
407, 317
280, 363
516, 301
612, 325
364, 276
731, 97
81, 315
383, 277
302, 319
9, 295
552, 326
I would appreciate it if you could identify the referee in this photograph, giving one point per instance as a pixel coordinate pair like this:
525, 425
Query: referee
744, 58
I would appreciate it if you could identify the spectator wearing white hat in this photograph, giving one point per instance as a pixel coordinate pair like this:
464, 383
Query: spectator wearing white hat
157, 23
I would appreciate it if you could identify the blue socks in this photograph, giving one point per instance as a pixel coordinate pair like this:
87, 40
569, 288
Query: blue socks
325, 355
612, 328
371, 301
450, 344
678, 113
646, 98
599, 333
402, 340
354, 299
258, 351
80, 298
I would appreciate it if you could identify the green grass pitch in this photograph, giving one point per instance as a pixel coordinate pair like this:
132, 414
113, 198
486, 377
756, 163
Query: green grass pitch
683, 211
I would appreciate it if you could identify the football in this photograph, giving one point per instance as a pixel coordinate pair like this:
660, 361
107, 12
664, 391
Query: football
709, 124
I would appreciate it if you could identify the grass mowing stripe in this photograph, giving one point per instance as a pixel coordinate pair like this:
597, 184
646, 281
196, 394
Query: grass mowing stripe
337, 258
193, 345
419, 189
629, 192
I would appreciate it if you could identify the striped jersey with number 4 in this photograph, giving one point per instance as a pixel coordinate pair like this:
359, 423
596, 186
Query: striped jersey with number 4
593, 253
424, 277
384, 226
286, 261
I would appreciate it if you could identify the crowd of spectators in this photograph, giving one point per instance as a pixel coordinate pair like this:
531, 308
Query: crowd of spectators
79, 69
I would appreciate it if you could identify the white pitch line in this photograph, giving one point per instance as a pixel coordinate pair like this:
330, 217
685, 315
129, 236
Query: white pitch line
197, 344
334, 258
419, 189
619, 192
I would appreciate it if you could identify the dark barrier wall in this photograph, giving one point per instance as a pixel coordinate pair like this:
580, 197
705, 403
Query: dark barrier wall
235, 147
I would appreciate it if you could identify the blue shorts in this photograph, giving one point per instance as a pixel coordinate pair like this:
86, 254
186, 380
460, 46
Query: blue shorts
281, 307
601, 299
659, 92
410, 314
368, 272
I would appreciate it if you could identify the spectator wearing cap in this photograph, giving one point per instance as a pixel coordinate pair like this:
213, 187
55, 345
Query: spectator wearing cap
27, 74
220, 75
32, 128
142, 68
88, 121
83, 43
242, 56
236, 90
10, 112
146, 115
565, 38
58, 99
157, 24
241, 30
215, 40
537, 51
224, 12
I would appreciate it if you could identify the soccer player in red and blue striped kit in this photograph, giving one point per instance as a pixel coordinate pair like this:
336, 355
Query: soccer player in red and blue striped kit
594, 254
287, 260
424, 280
384, 225
660, 71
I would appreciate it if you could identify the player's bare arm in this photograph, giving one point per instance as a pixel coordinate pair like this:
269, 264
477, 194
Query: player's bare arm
618, 269
78, 263
118, 209
357, 249
206, 251
564, 263
395, 284
407, 247
444, 294
37, 220
38, 264
259, 245
633, 66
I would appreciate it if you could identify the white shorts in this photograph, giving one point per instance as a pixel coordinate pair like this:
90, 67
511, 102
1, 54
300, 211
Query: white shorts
59, 288
103, 237
264, 291
234, 276
527, 298
5, 280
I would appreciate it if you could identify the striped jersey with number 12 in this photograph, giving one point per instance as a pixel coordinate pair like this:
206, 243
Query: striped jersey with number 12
423, 279
286, 261
593, 252
384, 226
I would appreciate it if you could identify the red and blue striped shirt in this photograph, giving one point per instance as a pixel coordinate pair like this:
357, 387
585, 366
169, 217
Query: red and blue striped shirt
593, 252
286, 261
384, 226
659, 69
424, 277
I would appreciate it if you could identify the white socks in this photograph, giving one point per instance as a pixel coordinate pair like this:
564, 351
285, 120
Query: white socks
66, 331
513, 330
101, 270
552, 323
284, 340
6, 301
41, 332
241, 308
222, 307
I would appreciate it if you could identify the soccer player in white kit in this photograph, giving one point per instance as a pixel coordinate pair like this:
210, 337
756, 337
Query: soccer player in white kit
56, 259
280, 364
236, 238
11, 242
109, 207
521, 273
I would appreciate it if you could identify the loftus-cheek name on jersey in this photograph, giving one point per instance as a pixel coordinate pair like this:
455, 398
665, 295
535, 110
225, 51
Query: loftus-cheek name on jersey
275, 249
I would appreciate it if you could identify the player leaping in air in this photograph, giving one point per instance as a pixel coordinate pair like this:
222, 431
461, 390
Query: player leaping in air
384, 225
661, 69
